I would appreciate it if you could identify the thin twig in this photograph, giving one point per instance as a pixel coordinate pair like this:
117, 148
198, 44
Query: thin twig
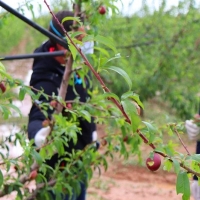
182, 142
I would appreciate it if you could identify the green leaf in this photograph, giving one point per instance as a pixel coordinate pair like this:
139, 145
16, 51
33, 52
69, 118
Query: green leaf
75, 34
123, 74
1, 178
133, 96
73, 51
117, 56
77, 19
151, 130
109, 43
4, 74
167, 165
88, 38
149, 126
183, 185
2, 68
37, 157
86, 115
176, 166
102, 51
59, 147
110, 95
15, 108
195, 157
22, 93
131, 111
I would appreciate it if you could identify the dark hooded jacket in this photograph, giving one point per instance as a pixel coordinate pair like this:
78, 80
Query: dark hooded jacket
47, 75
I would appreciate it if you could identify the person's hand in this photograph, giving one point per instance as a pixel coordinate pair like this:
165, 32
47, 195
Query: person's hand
88, 47
95, 138
192, 130
41, 136
195, 190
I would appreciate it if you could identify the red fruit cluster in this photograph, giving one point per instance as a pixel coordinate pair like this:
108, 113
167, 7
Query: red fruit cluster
154, 163
102, 10
2, 87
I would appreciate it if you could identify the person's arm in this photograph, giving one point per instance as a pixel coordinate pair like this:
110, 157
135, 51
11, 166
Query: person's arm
193, 131
192, 128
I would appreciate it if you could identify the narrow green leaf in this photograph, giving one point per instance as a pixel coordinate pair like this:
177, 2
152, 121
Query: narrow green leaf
37, 157
131, 111
102, 50
123, 74
133, 96
176, 166
73, 51
22, 93
4, 74
151, 131
126, 95
110, 95
109, 43
77, 19
150, 127
15, 108
2, 68
183, 185
59, 147
74, 34
86, 115
1, 178
88, 38
117, 56
167, 165
195, 157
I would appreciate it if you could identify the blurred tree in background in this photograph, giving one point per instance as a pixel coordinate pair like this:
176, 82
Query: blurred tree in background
158, 48
160, 51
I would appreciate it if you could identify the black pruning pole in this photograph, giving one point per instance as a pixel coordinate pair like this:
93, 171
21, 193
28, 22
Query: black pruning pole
42, 30
33, 55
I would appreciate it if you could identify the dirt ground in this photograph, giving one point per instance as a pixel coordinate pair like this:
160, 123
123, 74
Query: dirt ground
122, 180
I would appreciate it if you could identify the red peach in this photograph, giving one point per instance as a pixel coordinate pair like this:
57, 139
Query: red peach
102, 10
153, 164
2, 87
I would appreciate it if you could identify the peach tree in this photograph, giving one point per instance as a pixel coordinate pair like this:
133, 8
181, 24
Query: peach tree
125, 130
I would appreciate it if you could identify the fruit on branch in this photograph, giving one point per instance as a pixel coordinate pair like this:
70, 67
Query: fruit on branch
104, 142
154, 163
2, 87
33, 175
53, 103
16, 168
125, 139
69, 106
102, 10
45, 123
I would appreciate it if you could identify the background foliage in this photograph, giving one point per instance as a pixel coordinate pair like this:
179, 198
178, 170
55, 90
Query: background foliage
159, 51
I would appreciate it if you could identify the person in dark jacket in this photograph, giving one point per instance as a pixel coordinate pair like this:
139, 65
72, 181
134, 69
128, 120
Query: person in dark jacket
193, 131
47, 76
